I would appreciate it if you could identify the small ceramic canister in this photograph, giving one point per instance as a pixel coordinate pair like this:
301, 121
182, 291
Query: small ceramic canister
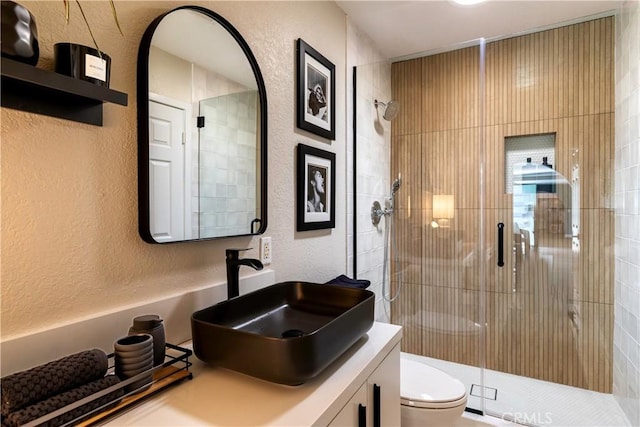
133, 356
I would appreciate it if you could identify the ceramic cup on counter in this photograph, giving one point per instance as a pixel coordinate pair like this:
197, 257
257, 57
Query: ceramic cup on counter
133, 356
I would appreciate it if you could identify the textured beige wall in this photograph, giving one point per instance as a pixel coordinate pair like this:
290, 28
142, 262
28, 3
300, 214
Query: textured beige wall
70, 245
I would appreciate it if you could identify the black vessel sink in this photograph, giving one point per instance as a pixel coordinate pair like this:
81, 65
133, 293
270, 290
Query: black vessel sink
285, 333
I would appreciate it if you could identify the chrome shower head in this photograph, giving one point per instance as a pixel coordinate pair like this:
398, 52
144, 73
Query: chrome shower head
391, 109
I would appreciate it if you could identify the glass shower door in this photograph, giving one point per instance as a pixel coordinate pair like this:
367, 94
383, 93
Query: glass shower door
533, 336
226, 164
439, 269
549, 162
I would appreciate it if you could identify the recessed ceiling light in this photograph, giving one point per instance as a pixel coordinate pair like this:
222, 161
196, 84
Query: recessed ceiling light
467, 2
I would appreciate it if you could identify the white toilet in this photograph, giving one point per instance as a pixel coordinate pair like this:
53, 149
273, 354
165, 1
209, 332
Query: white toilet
429, 397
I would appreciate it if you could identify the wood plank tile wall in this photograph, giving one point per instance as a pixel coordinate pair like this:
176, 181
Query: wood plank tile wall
558, 324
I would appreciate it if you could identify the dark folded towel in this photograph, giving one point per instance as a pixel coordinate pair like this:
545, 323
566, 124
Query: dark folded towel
44, 407
41, 382
343, 280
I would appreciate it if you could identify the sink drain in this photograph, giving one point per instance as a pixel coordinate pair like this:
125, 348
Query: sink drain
292, 333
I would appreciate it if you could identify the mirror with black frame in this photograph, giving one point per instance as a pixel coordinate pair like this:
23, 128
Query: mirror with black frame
202, 130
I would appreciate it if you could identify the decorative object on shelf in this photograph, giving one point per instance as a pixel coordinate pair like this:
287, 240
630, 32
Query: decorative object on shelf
28, 88
84, 18
19, 38
316, 187
316, 109
151, 324
82, 62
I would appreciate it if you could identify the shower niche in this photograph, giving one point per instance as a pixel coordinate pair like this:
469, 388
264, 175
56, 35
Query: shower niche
527, 160
541, 195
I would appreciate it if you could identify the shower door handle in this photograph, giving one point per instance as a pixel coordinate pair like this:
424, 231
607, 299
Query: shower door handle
500, 244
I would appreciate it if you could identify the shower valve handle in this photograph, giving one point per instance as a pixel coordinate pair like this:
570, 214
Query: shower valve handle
500, 244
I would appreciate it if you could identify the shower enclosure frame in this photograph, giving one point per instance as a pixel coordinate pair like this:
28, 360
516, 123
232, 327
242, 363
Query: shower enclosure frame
587, 212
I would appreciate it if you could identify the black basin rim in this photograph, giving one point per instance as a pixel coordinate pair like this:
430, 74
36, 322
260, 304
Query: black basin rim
367, 296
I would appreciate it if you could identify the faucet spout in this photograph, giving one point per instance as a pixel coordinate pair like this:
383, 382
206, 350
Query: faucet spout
233, 270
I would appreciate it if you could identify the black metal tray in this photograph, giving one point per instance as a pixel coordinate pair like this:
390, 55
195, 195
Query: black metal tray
174, 370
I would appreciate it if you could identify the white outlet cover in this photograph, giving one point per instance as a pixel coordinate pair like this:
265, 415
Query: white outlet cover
266, 254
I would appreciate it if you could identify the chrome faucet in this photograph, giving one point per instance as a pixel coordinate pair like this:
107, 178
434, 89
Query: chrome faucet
233, 270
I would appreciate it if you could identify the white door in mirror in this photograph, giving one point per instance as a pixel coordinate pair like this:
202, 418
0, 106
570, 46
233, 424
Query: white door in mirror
166, 169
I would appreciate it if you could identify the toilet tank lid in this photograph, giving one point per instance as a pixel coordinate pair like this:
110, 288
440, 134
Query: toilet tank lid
423, 383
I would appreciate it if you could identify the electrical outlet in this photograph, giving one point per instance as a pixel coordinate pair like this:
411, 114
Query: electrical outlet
266, 255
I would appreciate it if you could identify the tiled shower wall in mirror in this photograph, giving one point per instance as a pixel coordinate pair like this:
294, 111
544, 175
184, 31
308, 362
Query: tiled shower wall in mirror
227, 164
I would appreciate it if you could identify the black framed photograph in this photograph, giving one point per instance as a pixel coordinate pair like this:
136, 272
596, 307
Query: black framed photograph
316, 92
316, 189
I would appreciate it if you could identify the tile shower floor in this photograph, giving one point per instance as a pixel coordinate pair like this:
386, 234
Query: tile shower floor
533, 402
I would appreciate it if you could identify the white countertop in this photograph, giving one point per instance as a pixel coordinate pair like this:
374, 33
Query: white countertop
220, 397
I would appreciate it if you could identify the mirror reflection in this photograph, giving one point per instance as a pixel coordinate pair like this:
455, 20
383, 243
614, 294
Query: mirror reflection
205, 147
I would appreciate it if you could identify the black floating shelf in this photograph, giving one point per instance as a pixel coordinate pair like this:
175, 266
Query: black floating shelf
27, 88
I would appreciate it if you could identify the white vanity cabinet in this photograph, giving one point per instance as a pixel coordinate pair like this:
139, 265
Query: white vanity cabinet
354, 412
377, 401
